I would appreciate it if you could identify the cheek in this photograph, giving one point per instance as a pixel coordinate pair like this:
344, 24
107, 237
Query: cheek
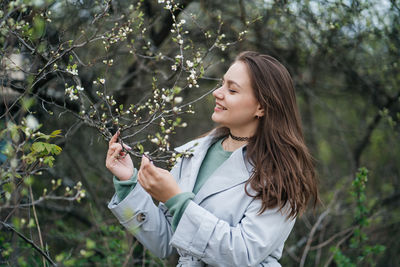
245, 105
245, 108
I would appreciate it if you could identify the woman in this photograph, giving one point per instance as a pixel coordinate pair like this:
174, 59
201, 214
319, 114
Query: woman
234, 201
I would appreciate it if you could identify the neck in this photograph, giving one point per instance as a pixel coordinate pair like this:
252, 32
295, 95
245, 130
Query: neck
229, 144
243, 132
239, 138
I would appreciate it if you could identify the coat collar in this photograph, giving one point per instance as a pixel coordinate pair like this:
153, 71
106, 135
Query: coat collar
197, 146
235, 170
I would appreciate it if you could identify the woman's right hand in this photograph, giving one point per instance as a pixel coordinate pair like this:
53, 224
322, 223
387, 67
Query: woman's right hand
118, 161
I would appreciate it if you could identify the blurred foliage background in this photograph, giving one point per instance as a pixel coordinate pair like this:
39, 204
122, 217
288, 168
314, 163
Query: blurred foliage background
342, 54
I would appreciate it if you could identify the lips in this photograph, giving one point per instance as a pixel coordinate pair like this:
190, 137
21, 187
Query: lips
219, 106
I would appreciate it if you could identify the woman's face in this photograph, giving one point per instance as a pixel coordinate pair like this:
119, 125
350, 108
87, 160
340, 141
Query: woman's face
236, 106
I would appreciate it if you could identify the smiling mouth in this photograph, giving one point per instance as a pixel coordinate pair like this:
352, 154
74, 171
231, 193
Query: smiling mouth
220, 107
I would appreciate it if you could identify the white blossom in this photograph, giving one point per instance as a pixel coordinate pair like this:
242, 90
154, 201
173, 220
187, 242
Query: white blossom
178, 99
71, 93
189, 63
73, 72
32, 122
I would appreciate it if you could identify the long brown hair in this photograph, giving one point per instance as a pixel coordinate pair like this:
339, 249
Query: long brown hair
283, 167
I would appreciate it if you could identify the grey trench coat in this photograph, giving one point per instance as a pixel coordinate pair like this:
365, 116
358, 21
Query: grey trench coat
220, 226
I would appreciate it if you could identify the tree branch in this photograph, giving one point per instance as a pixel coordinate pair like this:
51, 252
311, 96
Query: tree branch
6, 225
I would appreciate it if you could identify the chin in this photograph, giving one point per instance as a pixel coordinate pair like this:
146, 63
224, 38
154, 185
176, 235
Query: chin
214, 118
219, 122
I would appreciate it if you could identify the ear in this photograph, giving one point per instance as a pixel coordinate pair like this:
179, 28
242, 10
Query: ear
260, 111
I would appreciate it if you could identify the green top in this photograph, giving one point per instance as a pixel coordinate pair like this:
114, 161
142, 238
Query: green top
176, 205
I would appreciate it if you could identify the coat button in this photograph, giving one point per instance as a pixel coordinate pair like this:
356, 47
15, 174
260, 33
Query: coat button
140, 217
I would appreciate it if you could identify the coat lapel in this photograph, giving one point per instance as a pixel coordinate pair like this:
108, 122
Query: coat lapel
232, 172
197, 149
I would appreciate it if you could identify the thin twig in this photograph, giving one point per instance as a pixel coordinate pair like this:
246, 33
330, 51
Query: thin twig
43, 198
37, 222
27, 240
310, 237
328, 262
326, 242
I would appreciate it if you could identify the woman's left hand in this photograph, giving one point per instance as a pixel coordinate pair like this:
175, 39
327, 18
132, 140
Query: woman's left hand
159, 183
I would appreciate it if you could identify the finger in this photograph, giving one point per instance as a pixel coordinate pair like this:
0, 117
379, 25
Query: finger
142, 179
144, 162
116, 154
150, 168
114, 138
144, 165
126, 146
112, 148
116, 146
141, 167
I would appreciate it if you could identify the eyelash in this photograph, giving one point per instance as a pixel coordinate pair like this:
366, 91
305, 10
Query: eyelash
230, 90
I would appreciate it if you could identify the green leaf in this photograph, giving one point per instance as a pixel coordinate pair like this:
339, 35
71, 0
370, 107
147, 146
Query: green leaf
28, 180
31, 223
44, 136
141, 148
90, 244
49, 160
55, 149
177, 90
38, 27
30, 158
55, 133
38, 147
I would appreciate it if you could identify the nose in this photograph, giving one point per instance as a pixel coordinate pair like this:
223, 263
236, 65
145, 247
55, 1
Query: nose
218, 93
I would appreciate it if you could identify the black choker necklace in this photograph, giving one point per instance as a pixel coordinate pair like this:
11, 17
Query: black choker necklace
237, 138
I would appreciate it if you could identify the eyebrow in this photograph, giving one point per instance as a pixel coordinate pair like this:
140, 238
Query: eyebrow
230, 81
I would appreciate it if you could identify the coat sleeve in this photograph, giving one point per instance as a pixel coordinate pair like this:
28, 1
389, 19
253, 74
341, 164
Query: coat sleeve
214, 241
147, 222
